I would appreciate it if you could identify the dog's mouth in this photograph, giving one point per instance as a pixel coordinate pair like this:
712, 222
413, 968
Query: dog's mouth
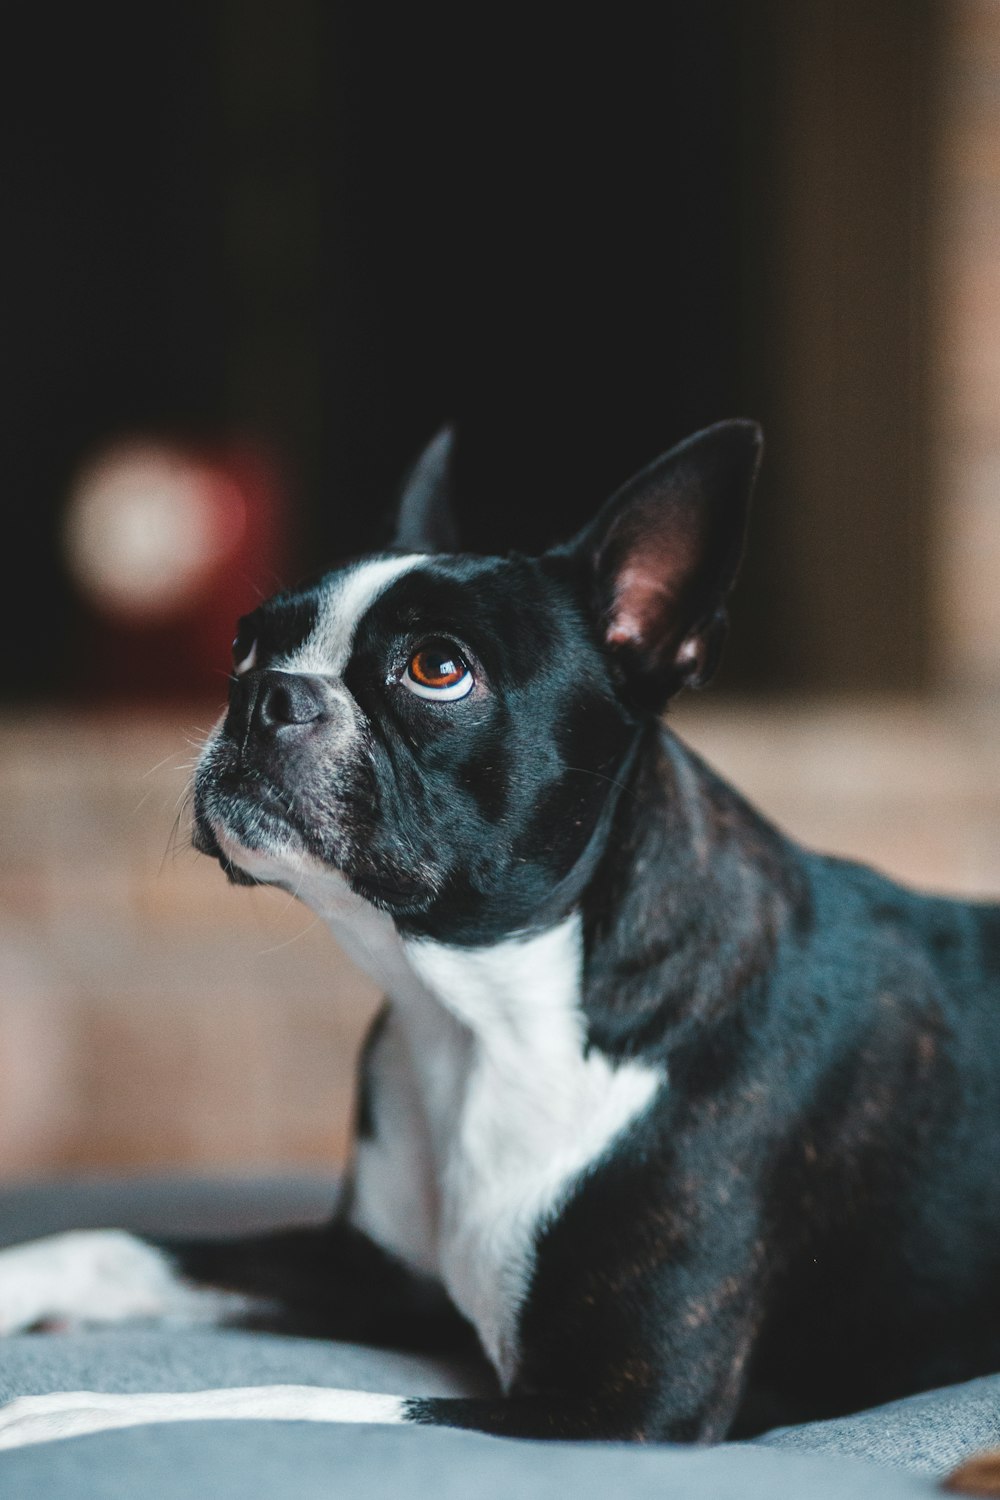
393, 895
203, 838
252, 830
233, 816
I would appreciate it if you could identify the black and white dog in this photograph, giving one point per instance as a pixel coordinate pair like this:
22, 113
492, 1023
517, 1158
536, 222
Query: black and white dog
695, 1129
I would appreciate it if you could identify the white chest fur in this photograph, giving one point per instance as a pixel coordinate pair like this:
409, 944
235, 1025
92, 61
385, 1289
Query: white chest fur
496, 1110
488, 1109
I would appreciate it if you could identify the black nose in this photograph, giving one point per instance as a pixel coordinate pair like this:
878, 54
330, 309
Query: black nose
267, 702
290, 698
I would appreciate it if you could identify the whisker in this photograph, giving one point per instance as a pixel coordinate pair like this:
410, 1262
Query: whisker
171, 842
183, 797
289, 941
160, 763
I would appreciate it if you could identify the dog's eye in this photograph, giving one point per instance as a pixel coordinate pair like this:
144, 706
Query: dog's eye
244, 651
438, 670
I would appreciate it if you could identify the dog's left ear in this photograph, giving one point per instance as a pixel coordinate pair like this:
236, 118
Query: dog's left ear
424, 521
663, 555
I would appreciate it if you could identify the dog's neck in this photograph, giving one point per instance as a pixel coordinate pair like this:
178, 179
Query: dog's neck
694, 891
674, 907
525, 988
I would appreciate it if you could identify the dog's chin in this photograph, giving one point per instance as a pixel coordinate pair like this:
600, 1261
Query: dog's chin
250, 851
275, 862
255, 845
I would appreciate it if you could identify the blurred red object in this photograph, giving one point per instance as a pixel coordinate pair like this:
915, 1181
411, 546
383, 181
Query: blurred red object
168, 544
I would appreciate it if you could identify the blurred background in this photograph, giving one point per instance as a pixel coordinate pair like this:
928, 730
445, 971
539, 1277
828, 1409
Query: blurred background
257, 254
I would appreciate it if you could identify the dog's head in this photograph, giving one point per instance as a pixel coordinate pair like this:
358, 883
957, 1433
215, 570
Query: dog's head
442, 733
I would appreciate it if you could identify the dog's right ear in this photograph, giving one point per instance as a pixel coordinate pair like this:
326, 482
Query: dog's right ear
662, 556
424, 521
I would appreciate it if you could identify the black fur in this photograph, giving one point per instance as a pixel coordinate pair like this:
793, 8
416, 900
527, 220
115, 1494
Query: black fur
331, 1282
808, 1219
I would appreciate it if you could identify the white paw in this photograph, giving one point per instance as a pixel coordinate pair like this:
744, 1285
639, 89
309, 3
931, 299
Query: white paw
96, 1276
43, 1419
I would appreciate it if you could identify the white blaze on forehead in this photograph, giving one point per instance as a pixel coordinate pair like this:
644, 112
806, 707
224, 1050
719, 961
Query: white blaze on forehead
327, 649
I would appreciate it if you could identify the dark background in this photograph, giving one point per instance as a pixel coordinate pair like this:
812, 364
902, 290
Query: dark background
329, 227
322, 227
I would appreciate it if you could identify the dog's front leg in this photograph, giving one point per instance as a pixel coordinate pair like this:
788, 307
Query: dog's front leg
43, 1419
622, 1366
624, 1412
330, 1280
678, 1378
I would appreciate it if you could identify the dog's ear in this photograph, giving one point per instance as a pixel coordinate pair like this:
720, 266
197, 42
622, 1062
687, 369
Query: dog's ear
663, 554
424, 521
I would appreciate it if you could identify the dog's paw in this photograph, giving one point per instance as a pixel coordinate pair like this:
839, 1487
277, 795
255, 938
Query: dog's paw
91, 1276
43, 1419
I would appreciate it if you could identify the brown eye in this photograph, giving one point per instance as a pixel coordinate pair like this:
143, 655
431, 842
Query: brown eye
438, 670
437, 667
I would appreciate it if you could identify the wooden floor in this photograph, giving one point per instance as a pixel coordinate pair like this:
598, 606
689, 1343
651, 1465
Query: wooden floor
152, 1016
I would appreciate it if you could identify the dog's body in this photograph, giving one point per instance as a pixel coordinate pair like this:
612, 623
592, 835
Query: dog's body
696, 1130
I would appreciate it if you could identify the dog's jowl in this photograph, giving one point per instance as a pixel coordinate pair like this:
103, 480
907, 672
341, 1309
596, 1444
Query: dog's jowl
694, 1130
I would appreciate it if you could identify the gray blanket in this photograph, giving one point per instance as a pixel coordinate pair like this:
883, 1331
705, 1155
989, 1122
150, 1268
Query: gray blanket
897, 1450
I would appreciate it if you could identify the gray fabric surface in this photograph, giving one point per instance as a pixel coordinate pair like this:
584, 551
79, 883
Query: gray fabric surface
276, 1461
885, 1453
192, 1359
928, 1434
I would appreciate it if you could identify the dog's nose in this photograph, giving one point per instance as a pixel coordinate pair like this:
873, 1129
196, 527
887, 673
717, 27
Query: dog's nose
268, 702
290, 698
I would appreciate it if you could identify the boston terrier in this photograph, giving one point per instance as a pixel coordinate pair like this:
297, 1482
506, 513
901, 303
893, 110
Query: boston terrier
694, 1130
